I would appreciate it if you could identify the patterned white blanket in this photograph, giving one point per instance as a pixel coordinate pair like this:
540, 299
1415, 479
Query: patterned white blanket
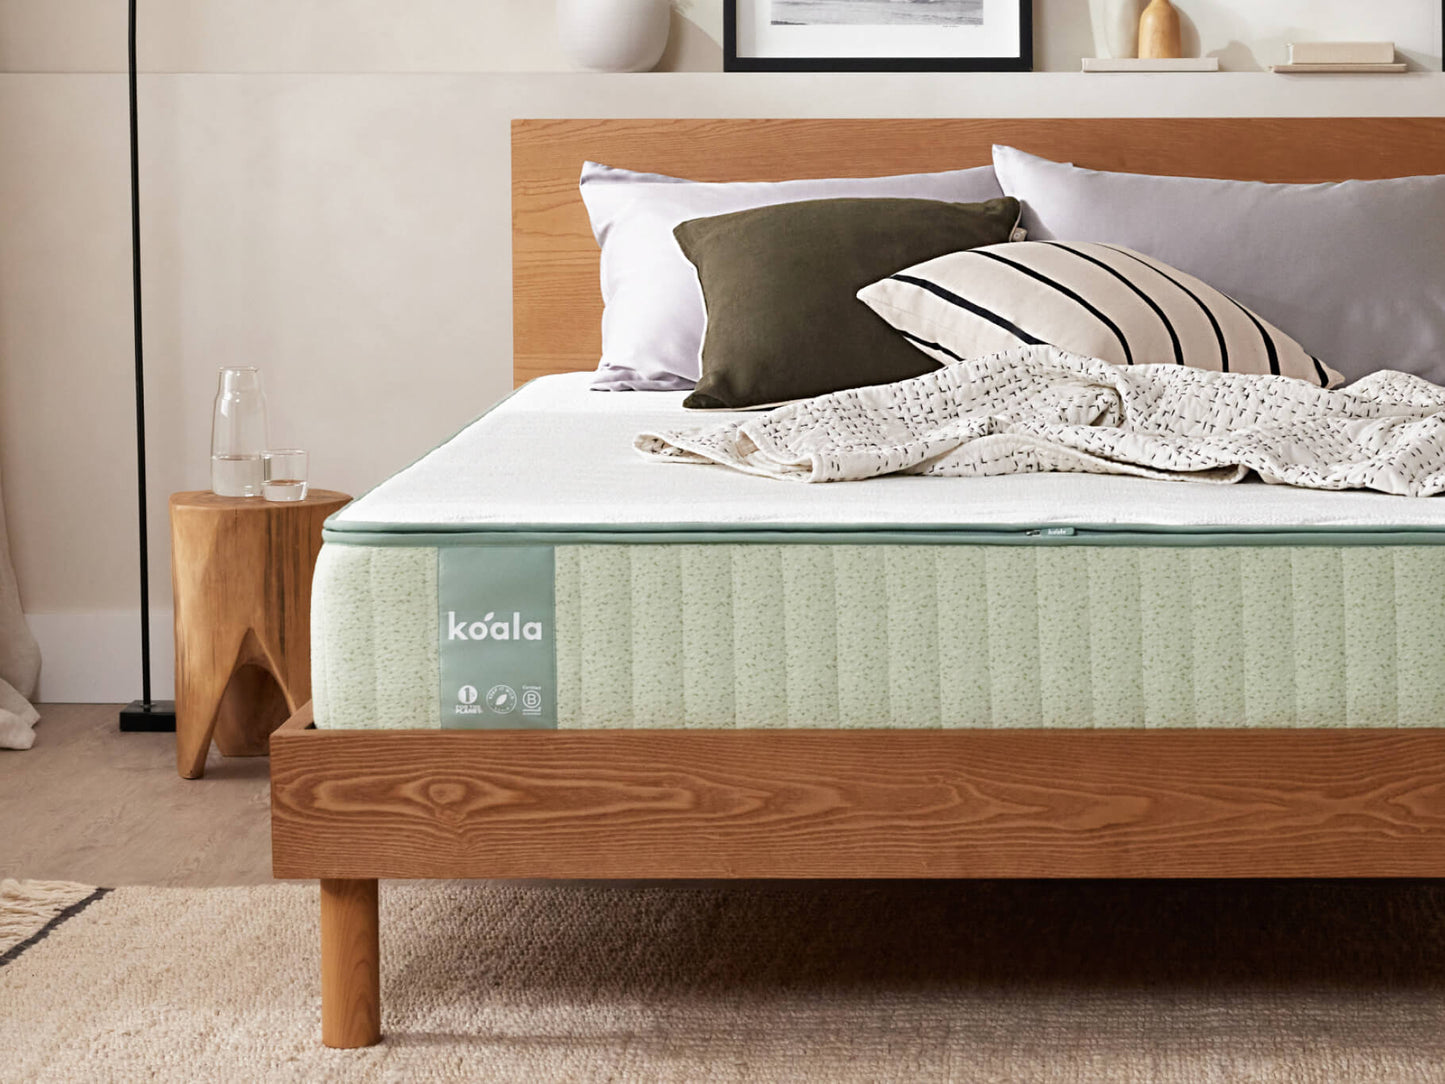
1041, 409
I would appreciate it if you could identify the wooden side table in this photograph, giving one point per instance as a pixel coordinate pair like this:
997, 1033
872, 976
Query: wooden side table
241, 569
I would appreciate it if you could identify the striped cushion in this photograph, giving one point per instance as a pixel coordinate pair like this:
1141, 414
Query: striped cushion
1101, 301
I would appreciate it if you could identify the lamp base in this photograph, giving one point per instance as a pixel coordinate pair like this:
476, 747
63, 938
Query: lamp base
157, 717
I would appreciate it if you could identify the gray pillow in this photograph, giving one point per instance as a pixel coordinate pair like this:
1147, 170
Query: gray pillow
1354, 271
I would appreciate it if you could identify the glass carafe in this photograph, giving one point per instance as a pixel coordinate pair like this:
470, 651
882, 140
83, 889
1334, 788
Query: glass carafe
238, 434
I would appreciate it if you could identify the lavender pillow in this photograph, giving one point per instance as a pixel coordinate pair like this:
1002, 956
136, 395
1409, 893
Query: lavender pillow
1354, 271
652, 327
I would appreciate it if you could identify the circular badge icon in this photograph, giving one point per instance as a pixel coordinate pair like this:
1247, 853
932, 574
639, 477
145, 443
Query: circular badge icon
532, 700
467, 694
502, 699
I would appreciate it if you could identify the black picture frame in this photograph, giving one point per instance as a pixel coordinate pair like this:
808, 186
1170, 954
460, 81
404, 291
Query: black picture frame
1022, 63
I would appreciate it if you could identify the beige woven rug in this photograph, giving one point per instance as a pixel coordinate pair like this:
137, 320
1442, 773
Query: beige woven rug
877, 982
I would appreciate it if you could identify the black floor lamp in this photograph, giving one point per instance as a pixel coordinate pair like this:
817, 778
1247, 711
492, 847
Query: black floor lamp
144, 714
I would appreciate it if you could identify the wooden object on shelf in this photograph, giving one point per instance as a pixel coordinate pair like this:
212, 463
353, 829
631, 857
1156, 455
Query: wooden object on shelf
241, 571
1341, 69
1159, 33
1178, 64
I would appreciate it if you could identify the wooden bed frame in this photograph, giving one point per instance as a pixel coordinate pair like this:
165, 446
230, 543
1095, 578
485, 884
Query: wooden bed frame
350, 807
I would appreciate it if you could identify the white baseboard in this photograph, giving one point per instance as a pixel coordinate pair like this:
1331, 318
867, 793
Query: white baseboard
94, 658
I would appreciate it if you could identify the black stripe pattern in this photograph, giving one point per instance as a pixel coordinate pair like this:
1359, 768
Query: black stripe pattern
953, 299
1167, 277
937, 348
1055, 284
1153, 305
1096, 300
1270, 352
13, 953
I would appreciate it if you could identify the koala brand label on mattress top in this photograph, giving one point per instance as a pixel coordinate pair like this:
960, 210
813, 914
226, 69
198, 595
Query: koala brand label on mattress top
496, 627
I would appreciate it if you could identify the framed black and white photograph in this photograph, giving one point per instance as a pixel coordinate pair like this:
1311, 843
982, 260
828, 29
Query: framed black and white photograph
878, 35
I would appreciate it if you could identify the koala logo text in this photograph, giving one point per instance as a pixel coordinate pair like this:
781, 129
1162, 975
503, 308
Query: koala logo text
491, 628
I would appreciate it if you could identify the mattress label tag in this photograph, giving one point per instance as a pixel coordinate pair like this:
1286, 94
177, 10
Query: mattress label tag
497, 612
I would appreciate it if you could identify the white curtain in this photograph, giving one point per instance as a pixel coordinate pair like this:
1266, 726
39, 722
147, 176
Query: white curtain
19, 657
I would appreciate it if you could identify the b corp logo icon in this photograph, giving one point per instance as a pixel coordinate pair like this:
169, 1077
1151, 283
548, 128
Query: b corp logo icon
467, 694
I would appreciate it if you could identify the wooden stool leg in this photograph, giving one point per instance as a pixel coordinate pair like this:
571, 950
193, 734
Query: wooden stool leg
350, 964
236, 698
192, 745
197, 697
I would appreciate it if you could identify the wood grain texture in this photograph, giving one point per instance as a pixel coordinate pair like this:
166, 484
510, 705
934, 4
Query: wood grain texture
241, 571
350, 964
557, 306
805, 804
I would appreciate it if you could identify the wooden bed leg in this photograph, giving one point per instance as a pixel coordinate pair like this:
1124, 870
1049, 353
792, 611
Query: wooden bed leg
350, 964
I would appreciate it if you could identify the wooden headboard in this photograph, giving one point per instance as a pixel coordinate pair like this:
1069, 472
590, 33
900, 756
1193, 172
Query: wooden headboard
557, 306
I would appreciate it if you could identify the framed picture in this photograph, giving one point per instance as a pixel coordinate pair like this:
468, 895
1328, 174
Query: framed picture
877, 35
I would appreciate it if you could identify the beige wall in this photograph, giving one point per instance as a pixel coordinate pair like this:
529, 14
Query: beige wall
325, 192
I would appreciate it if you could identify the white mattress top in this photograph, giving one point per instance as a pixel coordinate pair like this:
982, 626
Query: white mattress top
558, 454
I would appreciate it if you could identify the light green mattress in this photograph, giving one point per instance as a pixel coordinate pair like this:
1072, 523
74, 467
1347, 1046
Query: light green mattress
885, 635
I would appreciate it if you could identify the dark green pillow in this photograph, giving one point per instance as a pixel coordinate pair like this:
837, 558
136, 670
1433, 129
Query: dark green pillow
780, 283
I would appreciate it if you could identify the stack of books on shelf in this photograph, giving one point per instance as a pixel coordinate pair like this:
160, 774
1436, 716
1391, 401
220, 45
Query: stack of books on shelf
1341, 56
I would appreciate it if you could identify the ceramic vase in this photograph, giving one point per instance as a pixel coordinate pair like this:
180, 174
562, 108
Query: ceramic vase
613, 35
1116, 28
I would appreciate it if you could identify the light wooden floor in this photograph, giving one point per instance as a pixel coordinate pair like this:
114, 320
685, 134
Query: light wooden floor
90, 804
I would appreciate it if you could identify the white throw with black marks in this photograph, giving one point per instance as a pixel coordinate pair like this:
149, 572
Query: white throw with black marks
1039, 409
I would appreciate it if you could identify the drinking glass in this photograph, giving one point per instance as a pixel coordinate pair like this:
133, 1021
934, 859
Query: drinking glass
238, 434
285, 475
